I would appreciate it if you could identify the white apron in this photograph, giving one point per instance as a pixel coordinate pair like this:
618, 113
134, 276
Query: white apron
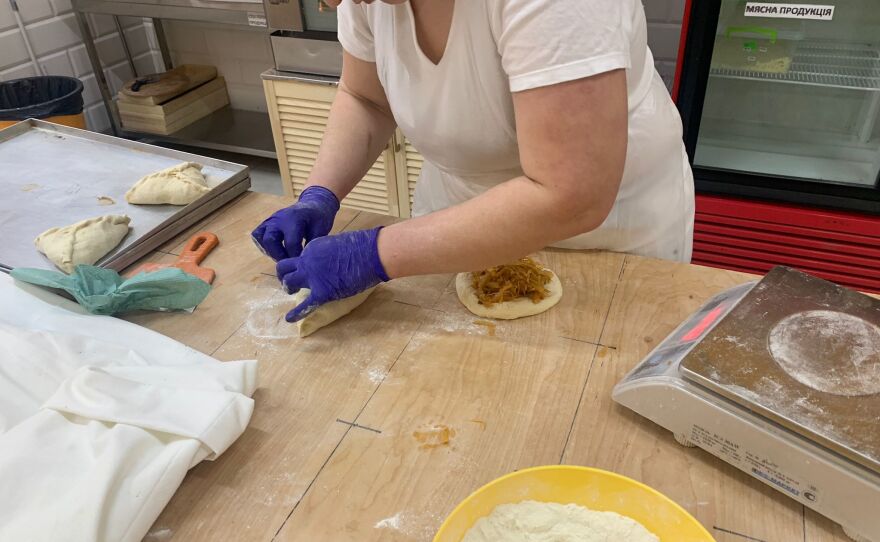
459, 113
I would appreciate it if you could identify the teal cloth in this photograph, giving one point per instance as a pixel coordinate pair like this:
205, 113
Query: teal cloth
104, 291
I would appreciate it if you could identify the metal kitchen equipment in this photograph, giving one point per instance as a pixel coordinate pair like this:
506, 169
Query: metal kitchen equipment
227, 129
304, 36
52, 175
780, 378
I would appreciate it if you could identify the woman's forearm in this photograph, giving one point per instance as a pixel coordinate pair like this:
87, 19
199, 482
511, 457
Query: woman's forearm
357, 132
505, 223
573, 164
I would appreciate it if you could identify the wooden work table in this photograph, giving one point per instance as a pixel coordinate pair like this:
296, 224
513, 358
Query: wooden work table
376, 427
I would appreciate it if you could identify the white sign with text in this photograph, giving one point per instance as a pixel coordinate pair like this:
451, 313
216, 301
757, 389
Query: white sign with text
790, 11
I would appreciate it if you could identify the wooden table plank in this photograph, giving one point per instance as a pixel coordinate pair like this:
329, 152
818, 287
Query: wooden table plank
174, 245
306, 385
821, 529
412, 361
459, 408
455, 411
652, 298
238, 264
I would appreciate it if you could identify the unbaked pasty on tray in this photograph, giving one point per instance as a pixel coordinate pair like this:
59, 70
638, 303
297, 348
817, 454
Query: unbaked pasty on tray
178, 185
85, 242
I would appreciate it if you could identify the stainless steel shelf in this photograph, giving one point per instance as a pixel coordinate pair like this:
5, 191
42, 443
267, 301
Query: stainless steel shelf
821, 64
227, 129
184, 10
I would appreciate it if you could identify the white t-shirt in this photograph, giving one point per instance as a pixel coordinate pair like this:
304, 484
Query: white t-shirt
459, 113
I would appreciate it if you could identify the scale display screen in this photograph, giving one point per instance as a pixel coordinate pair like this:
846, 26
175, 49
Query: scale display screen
665, 358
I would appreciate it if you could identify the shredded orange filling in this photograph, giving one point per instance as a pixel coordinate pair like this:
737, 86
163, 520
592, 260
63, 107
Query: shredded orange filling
525, 278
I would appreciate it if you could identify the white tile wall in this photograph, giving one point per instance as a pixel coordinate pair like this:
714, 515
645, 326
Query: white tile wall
54, 36
240, 55
664, 29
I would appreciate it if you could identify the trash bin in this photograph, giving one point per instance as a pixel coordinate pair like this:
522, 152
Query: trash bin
53, 98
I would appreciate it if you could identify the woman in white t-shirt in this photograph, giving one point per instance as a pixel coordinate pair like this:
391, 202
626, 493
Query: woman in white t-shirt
542, 123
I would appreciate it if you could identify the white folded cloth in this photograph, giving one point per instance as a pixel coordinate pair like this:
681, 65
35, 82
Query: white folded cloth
100, 419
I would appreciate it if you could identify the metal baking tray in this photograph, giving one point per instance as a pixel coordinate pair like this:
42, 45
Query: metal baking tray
52, 175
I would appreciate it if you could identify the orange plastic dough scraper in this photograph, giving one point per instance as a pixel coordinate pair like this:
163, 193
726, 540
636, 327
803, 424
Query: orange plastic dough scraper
197, 249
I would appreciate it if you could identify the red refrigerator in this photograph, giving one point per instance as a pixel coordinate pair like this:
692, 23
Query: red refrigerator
781, 111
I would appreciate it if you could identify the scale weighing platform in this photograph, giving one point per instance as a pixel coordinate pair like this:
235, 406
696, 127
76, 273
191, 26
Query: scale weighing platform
780, 378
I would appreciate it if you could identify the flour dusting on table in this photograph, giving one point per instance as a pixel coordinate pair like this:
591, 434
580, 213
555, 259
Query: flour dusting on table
829, 351
389, 523
265, 319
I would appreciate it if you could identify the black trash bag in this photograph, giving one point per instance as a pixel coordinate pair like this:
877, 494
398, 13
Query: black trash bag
40, 97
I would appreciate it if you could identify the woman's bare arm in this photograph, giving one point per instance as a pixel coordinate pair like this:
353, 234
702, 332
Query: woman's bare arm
572, 141
359, 127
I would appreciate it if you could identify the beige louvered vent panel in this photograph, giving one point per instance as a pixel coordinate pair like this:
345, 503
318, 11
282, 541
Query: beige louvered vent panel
414, 163
302, 112
407, 167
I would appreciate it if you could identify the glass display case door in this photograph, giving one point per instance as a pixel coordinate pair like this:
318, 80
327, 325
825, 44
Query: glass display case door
791, 98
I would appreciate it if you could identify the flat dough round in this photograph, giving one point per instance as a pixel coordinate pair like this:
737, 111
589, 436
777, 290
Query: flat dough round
508, 310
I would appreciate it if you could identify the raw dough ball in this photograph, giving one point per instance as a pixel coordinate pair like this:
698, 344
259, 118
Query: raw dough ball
85, 242
531, 521
178, 185
329, 312
508, 310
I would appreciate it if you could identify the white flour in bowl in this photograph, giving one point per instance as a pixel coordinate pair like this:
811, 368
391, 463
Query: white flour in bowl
531, 521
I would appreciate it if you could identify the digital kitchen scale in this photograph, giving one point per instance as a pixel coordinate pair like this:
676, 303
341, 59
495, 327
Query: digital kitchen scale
780, 378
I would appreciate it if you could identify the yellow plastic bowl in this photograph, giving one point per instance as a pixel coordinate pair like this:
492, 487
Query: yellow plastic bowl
594, 488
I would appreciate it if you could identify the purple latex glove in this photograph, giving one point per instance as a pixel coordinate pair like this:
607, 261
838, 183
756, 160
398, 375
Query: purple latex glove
282, 235
333, 267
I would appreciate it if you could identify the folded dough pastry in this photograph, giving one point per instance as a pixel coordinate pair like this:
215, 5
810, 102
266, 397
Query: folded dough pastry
178, 185
328, 313
85, 242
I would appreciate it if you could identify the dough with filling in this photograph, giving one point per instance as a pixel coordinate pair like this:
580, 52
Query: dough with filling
85, 242
507, 310
327, 313
178, 185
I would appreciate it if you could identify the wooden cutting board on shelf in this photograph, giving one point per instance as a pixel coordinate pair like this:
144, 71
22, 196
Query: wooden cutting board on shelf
161, 87
171, 116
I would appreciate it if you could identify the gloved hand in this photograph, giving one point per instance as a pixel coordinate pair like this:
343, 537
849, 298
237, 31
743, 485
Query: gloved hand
333, 267
281, 235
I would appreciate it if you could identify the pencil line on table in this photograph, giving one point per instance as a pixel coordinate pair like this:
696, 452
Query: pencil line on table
589, 371
734, 533
306, 492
